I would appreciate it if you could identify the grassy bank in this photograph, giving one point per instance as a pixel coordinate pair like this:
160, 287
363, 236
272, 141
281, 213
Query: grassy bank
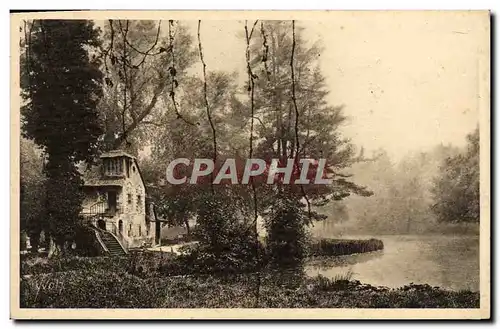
138, 282
340, 247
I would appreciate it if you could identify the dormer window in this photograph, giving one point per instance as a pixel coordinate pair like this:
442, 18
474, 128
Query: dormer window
113, 167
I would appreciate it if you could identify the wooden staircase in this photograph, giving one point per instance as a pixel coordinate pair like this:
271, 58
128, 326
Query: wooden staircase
111, 242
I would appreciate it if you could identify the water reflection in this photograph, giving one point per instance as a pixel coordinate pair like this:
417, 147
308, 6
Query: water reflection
451, 262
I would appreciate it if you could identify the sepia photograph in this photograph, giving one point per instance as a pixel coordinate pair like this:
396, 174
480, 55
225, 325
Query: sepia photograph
321, 164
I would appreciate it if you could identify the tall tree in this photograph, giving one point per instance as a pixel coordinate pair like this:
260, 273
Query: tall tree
62, 87
456, 189
295, 121
295, 111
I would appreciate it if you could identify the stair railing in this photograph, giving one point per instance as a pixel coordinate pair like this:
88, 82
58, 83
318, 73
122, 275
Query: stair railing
99, 239
120, 238
97, 232
97, 208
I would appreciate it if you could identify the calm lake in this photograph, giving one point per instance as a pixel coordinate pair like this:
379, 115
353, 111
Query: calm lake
450, 262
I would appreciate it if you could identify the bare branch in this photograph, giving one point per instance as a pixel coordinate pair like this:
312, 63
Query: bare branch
124, 61
142, 114
294, 101
204, 65
125, 78
111, 44
251, 89
260, 121
173, 74
147, 52
265, 50
253, 28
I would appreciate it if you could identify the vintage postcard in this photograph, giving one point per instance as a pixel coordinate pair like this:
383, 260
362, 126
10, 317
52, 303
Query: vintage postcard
213, 165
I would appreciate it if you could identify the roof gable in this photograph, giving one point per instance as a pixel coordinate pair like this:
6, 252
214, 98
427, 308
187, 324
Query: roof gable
115, 154
92, 173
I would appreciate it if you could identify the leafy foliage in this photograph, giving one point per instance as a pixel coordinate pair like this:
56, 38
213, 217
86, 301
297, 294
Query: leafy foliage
286, 241
273, 134
319, 123
62, 87
63, 201
138, 67
176, 139
32, 191
57, 61
295, 120
225, 241
457, 188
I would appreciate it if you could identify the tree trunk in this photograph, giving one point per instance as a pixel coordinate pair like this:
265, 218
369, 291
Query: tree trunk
23, 240
186, 222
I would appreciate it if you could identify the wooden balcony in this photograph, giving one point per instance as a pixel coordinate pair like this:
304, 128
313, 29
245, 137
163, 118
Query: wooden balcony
100, 209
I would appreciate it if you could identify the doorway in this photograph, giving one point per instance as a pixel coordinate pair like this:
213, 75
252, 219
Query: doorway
112, 201
120, 227
101, 224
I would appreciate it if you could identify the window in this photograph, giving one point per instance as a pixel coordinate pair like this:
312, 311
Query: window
119, 166
129, 230
140, 231
130, 202
113, 167
139, 203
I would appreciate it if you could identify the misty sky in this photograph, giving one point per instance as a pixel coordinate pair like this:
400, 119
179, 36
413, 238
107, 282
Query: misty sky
408, 81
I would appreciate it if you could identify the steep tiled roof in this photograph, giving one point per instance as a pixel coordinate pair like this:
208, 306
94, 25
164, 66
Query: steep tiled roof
116, 153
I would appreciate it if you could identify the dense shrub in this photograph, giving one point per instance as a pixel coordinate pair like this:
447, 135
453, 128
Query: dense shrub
226, 242
86, 242
287, 240
337, 247
200, 259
